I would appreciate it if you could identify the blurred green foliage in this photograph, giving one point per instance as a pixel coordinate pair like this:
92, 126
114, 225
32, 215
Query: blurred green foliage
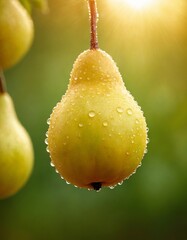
42, 5
151, 53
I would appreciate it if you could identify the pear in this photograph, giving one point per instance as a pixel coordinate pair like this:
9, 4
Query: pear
16, 32
97, 133
16, 151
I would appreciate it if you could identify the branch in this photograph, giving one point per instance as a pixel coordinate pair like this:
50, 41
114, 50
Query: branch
2, 83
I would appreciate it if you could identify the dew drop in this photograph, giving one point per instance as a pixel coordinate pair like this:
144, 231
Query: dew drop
61, 177
47, 149
147, 140
111, 187
145, 151
48, 121
98, 190
91, 114
81, 125
52, 164
119, 110
67, 182
75, 78
140, 164
46, 141
46, 134
120, 183
137, 121
129, 111
105, 124
147, 129
56, 171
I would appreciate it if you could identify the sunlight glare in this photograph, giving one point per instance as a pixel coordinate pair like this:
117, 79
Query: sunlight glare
139, 4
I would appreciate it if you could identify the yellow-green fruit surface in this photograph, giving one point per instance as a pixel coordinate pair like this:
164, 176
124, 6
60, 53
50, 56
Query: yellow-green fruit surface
16, 32
16, 151
97, 133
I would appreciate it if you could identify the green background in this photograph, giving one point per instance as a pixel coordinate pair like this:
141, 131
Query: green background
150, 49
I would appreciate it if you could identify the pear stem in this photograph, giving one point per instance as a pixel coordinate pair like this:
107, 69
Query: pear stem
2, 83
92, 5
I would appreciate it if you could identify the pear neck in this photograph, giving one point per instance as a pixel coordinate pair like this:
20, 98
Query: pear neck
7, 108
95, 66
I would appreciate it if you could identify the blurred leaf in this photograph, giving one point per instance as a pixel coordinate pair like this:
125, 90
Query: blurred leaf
42, 5
26, 4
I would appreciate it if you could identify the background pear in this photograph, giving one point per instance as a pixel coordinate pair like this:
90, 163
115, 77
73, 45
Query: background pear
16, 32
16, 151
97, 133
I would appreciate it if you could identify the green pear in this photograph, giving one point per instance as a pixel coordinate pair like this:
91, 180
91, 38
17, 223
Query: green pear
97, 133
16, 32
16, 151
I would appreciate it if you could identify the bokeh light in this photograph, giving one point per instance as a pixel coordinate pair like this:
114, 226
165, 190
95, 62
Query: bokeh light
137, 4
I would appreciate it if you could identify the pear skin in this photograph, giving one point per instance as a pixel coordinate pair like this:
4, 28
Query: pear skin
97, 134
16, 32
16, 151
